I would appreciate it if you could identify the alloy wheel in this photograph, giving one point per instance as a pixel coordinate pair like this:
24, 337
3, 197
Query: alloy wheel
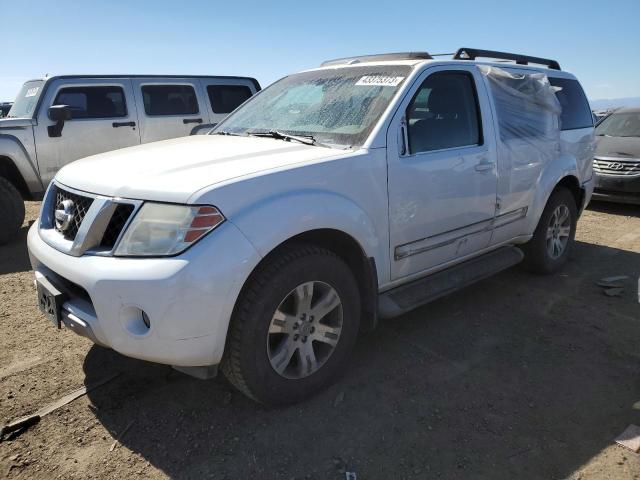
304, 330
558, 231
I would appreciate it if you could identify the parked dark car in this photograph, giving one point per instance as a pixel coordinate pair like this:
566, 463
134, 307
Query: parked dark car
616, 163
4, 108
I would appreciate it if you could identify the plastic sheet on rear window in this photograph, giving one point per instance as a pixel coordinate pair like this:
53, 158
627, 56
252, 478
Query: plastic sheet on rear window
528, 120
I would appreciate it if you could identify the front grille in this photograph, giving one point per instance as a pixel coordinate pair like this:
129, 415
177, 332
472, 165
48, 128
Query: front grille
81, 205
116, 224
616, 166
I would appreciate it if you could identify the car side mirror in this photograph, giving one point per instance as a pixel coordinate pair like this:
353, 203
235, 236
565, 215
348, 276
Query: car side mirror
59, 114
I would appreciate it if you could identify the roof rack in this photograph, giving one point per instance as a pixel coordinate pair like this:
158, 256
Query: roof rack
378, 58
473, 53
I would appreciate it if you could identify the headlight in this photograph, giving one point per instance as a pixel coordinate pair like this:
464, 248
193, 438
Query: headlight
164, 229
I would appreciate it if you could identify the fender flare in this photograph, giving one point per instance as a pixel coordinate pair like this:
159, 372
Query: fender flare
12, 148
562, 167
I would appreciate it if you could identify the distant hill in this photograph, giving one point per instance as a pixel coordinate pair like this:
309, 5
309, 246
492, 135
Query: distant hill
615, 103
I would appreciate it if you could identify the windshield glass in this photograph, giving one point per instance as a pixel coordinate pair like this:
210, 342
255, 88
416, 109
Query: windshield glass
623, 124
26, 100
337, 107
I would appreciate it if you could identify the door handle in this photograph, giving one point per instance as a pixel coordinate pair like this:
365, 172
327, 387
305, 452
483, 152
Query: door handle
123, 124
484, 166
191, 120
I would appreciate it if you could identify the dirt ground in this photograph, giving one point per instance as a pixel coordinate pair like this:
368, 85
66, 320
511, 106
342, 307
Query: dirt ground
516, 377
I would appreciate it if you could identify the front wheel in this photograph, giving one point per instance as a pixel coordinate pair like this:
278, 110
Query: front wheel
294, 326
552, 240
11, 211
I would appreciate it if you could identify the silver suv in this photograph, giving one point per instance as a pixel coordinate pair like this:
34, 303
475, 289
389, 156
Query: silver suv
57, 120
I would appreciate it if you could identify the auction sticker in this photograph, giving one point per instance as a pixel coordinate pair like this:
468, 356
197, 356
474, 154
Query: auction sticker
380, 81
32, 92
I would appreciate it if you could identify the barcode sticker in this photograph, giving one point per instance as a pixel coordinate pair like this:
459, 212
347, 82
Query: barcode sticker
379, 81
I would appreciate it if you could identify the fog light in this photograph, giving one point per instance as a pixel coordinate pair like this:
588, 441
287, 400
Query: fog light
135, 320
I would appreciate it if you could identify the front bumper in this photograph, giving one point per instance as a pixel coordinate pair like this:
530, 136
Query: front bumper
617, 188
188, 299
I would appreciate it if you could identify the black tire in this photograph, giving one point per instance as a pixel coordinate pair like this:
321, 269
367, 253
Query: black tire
537, 257
246, 362
11, 211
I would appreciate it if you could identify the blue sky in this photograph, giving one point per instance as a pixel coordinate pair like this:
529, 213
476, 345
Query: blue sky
596, 40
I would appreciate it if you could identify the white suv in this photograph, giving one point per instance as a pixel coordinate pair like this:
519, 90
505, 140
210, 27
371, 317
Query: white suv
336, 196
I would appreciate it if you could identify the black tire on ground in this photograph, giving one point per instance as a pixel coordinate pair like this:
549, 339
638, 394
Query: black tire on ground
537, 255
246, 361
11, 211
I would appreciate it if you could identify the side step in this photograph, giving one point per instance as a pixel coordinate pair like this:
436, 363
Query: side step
424, 290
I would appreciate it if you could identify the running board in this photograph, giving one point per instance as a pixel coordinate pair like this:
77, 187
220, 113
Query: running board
419, 292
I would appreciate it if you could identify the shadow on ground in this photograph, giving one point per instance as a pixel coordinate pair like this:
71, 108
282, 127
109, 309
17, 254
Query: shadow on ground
14, 256
519, 376
612, 208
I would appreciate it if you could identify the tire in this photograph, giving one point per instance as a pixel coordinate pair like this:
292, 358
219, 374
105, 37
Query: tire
546, 255
11, 211
263, 328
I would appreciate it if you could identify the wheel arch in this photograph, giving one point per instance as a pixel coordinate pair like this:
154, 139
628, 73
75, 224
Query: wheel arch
350, 251
9, 171
571, 183
562, 171
19, 168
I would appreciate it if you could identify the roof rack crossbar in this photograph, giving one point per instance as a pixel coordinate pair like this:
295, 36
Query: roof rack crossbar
378, 58
473, 53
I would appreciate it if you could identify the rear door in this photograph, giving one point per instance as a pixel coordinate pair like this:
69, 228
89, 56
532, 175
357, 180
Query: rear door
103, 118
169, 107
224, 95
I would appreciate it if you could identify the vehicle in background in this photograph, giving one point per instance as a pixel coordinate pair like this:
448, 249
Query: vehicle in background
598, 115
4, 108
57, 120
616, 163
363, 188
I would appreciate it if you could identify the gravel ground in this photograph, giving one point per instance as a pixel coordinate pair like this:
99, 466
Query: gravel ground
518, 376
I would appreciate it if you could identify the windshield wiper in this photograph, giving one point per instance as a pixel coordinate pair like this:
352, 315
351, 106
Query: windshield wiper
278, 135
223, 132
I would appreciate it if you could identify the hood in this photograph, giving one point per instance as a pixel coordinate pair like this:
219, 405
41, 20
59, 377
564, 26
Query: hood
622, 147
172, 170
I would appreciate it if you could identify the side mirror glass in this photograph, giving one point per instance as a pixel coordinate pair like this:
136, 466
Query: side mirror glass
59, 114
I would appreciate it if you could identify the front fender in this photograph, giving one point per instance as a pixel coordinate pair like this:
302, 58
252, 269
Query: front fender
13, 149
275, 219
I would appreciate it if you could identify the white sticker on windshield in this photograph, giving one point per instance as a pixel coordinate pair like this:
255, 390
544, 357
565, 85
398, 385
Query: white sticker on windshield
380, 81
32, 92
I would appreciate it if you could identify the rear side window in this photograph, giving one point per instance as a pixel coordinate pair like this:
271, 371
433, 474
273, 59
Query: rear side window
576, 112
444, 113
93, 102
226, 98
169, 100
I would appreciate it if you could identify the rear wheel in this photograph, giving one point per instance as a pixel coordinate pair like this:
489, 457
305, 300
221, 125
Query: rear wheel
552, 240
294, 326
11, 211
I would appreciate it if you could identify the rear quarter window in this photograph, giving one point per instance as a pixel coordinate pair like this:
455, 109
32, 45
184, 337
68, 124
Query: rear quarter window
576, 112
226, 98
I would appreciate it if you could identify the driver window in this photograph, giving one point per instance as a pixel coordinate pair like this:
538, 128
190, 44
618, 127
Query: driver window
444, 113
